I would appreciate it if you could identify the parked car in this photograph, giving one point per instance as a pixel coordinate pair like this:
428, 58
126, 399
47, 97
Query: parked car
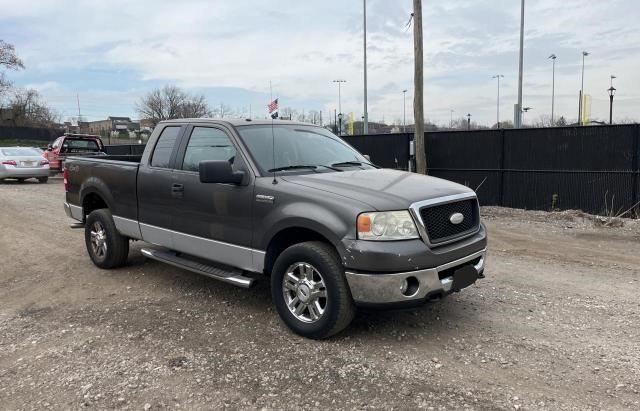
292, 201
21, 163
76, 145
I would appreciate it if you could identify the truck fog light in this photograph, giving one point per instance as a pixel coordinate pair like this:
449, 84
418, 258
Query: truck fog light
404, 286
410, 286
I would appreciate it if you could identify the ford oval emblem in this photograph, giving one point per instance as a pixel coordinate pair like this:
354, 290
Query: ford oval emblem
456, 218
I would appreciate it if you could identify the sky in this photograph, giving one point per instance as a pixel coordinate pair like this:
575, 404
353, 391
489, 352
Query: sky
110, 53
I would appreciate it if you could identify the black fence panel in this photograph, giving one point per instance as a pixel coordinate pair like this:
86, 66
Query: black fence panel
595, 169
124, 149
385, 150
29, 133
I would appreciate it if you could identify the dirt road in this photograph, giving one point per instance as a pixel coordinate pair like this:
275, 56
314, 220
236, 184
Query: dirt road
555, 325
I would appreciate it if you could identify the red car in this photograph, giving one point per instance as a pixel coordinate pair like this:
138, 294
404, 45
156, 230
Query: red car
76, 145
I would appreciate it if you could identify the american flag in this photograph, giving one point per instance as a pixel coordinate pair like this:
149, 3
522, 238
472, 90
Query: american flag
273, 106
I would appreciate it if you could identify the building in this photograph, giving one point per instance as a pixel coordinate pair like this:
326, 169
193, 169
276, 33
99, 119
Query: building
113, 125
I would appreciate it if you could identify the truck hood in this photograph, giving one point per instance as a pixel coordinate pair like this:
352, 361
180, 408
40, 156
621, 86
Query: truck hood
382, 189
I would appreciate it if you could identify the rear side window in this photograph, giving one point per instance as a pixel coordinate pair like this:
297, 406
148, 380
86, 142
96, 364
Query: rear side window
164, 147
80, 146
207, 144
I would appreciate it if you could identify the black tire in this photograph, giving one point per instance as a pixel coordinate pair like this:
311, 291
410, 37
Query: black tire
43, 180
116, 249
339, 308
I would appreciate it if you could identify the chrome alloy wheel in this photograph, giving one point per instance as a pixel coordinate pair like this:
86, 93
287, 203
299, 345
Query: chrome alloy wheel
98, 240
304, 292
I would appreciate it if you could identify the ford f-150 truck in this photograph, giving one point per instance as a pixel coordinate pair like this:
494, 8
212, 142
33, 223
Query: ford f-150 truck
239, 200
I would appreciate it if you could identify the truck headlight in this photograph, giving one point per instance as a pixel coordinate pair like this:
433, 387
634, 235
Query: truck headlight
386, 226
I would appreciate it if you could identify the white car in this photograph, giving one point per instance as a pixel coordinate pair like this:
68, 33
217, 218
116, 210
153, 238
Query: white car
21, 163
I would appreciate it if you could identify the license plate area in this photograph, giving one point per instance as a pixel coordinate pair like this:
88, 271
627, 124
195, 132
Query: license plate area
463, 277
27, 164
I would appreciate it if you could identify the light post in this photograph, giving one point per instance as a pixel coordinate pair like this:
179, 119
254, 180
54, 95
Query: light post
553, 58
366, 113
404, 111
340, 124
469, 122
340, 103
498, 76
612, 92
518, 120
525, 110
580, 108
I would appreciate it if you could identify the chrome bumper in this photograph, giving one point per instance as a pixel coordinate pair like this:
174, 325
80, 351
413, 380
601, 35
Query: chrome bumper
387, 288
73, 211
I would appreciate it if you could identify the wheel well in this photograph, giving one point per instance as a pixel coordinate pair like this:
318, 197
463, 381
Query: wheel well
285, 239
92, 202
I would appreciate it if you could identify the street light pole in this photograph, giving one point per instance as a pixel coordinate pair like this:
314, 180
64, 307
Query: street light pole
612, 92
518, 120
580, 108
498, 108
553, 58
366, 113
340, 103
469, 122
404, 111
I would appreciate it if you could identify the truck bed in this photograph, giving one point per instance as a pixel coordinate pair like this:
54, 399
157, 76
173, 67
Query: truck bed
115, 176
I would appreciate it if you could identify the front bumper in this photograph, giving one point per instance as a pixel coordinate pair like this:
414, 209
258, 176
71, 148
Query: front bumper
385, 289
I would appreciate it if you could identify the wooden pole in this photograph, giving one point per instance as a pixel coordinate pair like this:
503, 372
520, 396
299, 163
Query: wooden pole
418, 98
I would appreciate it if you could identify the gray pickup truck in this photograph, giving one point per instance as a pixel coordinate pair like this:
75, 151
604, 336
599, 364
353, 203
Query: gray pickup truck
239, 200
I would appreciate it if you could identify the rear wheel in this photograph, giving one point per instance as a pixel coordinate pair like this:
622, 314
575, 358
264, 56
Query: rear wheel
105, 245
310, 291
43, 180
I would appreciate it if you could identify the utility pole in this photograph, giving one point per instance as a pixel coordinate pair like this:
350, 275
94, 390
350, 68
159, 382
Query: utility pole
418, 96
366, 113
498, 109
517, 121
451, 119
553, 58
469, 122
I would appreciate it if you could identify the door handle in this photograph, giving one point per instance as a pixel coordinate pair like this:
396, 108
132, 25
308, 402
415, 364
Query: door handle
177, 190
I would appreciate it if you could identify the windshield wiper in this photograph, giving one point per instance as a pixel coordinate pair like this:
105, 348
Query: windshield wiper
297, 167
350, 163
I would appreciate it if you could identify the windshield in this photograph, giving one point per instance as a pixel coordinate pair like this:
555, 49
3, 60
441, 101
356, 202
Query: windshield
299, 149
20, 151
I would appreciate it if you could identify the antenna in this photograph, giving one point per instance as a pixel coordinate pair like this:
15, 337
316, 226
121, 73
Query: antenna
273, 139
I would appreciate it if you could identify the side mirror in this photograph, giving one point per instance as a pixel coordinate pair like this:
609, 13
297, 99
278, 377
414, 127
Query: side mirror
219, 172
367, 157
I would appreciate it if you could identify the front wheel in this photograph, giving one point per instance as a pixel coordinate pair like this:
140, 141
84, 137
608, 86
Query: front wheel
106, 246
43, 180
310, 292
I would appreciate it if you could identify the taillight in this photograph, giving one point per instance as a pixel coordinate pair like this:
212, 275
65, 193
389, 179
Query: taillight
65, 179
44, 162
9, 163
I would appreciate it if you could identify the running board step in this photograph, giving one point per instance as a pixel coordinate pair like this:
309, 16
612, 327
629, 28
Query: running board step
228, 275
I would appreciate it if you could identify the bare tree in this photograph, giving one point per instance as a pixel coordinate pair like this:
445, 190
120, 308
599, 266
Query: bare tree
9, 60
28, 109
171, 102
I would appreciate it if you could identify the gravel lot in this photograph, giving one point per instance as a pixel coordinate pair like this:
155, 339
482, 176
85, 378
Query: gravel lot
555, 325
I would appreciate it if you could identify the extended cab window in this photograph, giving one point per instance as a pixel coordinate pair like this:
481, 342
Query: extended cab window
207, 144
164, 147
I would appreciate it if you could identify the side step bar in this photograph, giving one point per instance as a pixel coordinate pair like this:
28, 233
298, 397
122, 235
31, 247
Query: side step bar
228, 275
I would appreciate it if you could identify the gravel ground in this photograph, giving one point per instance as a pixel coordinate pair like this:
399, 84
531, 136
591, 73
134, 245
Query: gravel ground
555, 325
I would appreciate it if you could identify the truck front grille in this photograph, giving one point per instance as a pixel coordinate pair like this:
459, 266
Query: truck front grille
437, 220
